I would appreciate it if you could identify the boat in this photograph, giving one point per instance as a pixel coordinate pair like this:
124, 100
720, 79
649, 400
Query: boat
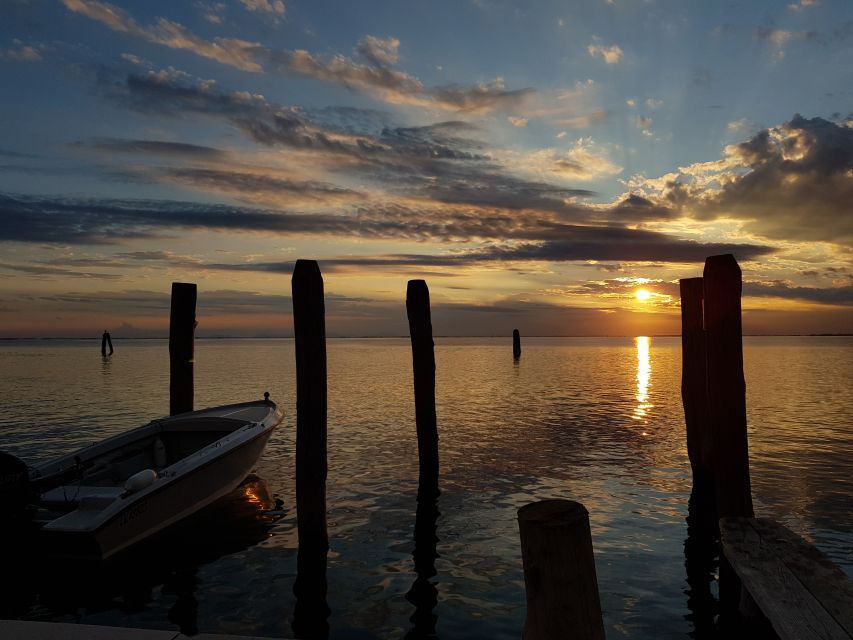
102, 499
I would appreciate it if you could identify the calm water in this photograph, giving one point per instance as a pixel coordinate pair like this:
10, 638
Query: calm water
594, 420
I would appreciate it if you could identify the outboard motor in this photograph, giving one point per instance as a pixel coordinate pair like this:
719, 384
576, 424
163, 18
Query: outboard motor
15, 489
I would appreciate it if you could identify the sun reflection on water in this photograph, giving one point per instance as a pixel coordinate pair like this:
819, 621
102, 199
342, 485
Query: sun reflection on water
644, 372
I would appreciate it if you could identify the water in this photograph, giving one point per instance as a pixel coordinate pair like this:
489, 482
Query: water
593, 420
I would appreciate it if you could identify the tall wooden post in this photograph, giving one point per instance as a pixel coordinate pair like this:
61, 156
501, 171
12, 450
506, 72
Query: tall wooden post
726, 386
309, 328
516, 344
181, 347
694, 387
559, 572
423, 365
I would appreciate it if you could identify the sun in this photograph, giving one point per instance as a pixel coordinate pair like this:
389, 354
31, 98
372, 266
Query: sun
642, 295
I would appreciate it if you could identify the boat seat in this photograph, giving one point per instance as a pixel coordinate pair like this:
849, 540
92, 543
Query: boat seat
81, 497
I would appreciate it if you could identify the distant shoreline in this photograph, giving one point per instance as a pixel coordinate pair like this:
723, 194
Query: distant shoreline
662, 335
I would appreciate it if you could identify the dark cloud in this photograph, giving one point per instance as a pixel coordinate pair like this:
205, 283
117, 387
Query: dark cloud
52, 271
828, 295
154, 147
72, 221
443, 162
793, 181
258, 187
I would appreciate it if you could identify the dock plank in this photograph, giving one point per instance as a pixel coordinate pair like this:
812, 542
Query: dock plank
801, 593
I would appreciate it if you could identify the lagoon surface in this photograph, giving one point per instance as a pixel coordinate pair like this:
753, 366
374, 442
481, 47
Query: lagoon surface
597, 420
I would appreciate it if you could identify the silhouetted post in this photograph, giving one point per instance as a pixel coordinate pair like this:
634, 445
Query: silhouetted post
106, 341
694, 388
727, 408
726, 386
423, 365
181, 348
309, 328
559, 572
516, 344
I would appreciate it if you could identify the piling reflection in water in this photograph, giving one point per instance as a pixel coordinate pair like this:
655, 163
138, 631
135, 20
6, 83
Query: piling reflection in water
424, 594
701, 561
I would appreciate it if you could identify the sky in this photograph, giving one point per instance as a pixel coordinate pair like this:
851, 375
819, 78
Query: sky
554, 167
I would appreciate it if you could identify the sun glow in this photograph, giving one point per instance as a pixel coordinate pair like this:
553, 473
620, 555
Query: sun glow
642, 295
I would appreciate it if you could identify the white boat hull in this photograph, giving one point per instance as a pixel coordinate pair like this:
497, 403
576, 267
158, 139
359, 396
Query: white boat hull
105, 521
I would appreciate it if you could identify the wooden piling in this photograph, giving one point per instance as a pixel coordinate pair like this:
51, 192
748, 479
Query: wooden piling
694, 389
726, 386
423, 365
559, 572
309, 328
516, 344
181, 347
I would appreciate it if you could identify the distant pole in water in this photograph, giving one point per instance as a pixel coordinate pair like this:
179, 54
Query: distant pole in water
559, 572
309, 328
726, 386
516, 344
106, 341
694, 390
181, 347
423, 366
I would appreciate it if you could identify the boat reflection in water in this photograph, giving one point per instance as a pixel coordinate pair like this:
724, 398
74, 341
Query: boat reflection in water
38, 586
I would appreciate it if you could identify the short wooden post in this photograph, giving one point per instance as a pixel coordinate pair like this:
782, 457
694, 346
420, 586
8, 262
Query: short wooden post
516, 344
559, 572
181, 347
694, 389
726, 386
309, 328
423, 365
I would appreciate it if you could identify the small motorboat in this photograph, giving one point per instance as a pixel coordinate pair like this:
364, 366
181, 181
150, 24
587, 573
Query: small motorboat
105, 497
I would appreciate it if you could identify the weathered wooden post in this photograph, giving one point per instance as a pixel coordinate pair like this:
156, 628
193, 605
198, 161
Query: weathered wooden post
694, 388
423, 365
726, 386
106, 341
309, 328
181, 347
559, 572
516, 344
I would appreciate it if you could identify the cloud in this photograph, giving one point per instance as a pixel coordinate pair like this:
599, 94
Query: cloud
644, 124
779, 289
21, 52
274, 7
379, 51
155, 147
743, 125
540, 238
231, 51
439, 162
653, 103
793, 181
584, 121
585, 160
610, 55
375, 76
802, 5
517, 121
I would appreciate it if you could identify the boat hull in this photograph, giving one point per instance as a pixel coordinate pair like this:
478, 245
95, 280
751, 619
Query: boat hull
107, 520
180, 498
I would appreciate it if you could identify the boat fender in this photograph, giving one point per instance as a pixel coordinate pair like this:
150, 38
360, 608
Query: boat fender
159, 453
139, 481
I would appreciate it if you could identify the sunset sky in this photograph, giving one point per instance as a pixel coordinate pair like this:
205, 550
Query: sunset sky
538, 163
